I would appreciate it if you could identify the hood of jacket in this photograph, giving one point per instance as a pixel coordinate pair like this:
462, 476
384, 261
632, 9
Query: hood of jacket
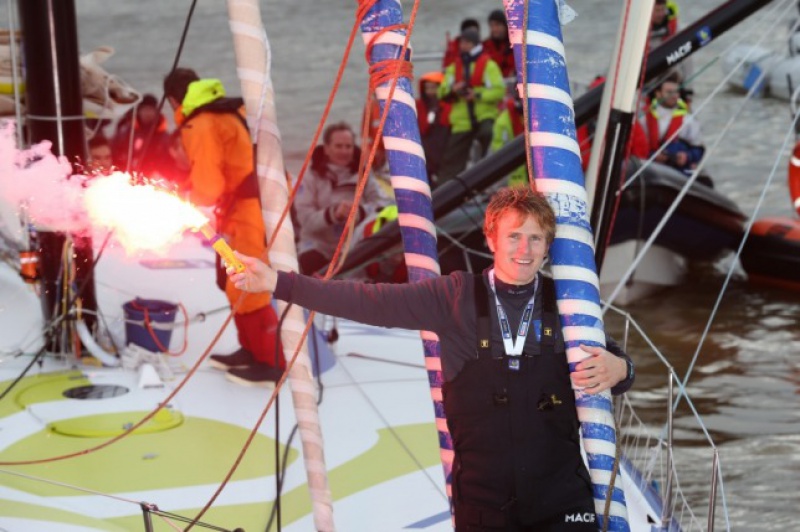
201, 92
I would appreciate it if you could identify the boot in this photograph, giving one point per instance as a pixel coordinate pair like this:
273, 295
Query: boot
258, 331
256, 374
258, 334
238, 359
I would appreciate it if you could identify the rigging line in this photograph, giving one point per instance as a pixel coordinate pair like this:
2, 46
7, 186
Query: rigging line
288, 445
56, 78
379, 73
326, 111
198, 317
178, 53
69, 486
100, 494
436, 484
786, 140
257, 426
679, 198
365, 6
456, 242
526, 112
667, 364
699, 109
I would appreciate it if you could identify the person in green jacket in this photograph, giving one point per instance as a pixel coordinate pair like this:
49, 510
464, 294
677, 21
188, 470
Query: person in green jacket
507, 126
474, 86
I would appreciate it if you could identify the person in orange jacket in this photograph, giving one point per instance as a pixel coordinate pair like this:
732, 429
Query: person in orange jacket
218, 146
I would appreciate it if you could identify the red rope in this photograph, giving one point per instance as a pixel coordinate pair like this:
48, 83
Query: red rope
148, 325
381, 73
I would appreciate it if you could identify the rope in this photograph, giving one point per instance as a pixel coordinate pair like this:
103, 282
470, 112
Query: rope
151, 508
526, 113
317, 133
153, 335
380, 73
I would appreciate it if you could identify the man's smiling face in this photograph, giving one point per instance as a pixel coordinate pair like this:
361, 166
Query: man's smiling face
520, 246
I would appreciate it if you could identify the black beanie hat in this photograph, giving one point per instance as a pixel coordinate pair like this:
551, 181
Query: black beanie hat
498, 16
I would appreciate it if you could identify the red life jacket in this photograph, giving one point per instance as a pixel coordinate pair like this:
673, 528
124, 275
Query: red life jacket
479, 66
502, 55
442, 116
654, 139
794, 177
639, 142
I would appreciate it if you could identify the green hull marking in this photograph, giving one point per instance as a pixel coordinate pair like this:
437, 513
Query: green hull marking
385, 461
110, 425
40, 389
199, 451
25, 510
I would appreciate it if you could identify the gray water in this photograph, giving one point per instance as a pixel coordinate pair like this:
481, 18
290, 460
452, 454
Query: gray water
746, 382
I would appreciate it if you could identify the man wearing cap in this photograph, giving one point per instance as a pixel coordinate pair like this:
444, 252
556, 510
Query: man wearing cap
474, 87
498, 46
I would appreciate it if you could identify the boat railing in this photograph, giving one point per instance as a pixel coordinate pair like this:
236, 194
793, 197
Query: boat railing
655, 463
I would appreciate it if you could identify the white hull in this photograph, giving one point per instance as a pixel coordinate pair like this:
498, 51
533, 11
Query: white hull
381, 444
660, 268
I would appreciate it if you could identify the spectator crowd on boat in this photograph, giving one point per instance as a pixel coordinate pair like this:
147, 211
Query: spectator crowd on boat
467, 108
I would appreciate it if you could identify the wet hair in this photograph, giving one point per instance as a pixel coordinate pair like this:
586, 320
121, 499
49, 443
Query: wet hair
327, 135
524, 202
176, 83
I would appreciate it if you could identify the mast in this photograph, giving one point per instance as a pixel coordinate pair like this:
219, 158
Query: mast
253, 61
555, 165
55, 113
617, 115
384, 34
496, 166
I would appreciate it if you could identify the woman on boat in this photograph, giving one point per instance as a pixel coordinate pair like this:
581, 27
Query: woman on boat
508, 398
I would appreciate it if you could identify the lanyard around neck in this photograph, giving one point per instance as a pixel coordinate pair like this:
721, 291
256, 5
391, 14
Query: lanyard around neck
513, 347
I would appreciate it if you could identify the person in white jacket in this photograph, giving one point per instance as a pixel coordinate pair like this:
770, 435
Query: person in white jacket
326, 197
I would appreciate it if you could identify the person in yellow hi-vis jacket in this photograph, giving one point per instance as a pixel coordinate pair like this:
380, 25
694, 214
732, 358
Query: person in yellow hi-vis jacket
474, 86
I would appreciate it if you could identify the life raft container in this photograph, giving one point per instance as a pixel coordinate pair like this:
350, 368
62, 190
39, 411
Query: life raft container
794, 178
771, 254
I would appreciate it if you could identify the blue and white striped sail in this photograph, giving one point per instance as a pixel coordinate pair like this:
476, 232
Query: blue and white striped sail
401, 138
556, 165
